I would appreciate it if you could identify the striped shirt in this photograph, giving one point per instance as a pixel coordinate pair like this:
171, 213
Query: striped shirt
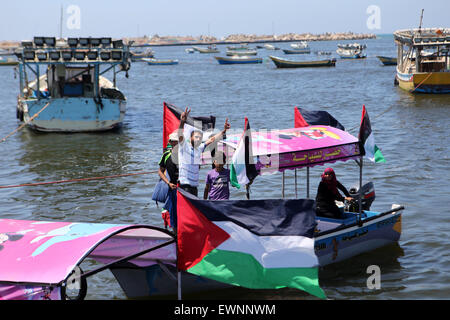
189, 159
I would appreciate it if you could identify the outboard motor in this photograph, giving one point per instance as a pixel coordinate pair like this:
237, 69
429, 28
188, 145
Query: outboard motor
367, 197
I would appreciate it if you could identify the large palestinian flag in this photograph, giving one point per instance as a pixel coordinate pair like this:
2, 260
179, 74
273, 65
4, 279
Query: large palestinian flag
304, 118
367, 141
171, 121
257, 244
243, 169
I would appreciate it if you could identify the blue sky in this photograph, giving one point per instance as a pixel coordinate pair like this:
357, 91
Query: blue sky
23, 19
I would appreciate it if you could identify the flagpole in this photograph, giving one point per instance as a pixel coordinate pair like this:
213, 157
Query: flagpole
360, 189
282, 187
296, 196
307, 182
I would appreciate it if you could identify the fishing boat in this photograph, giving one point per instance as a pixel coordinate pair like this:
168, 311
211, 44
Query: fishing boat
161, 62
297, 51
286, 63
269, 46
300, 45
189, 50
69, 92
8, 61
423, 60
351, 51
208, 49
241, 52
238, 60
137, 56
323, 53
388, 61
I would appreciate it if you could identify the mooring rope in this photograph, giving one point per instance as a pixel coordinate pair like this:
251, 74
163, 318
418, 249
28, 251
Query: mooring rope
421, 82
77, 180
25, 123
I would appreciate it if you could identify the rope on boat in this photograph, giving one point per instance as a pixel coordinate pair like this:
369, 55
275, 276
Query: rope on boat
421, 82
77, 180
25, 123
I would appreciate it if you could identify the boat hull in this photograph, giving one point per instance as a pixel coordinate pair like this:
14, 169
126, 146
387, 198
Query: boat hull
154, 62
283, 63
297, 51
223, 60
388, 61
72, 114
339, 244
424, 82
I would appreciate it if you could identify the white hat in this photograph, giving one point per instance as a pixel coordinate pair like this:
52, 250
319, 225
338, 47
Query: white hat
173, 136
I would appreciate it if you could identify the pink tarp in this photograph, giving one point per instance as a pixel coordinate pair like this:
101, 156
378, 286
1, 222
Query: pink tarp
297, 147
47, 252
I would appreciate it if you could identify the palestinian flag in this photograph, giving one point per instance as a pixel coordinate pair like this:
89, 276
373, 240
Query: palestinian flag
243, 169
256, 244
171, 121
367, 141
304, 118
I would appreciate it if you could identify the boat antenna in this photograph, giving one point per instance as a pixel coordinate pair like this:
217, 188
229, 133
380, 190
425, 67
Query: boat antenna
420, 24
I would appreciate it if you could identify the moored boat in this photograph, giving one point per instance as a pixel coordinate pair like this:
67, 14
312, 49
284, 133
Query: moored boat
8, 61
247, 52
351, 51
73, 95
136, 56
285, 63
238, 60
161, 62
297, 51
388, 61
423, 60
208, 49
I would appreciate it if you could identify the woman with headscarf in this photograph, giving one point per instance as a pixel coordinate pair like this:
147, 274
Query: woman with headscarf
328, 193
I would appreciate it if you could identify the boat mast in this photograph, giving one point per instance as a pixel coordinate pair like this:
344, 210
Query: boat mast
61, 23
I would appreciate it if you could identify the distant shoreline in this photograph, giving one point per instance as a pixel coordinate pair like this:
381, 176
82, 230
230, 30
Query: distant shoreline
158, 41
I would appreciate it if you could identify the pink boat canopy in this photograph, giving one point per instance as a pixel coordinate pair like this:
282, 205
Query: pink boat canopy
298, 147
45, 252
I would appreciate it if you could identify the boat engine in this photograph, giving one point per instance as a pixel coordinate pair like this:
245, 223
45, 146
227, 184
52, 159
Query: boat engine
367, 197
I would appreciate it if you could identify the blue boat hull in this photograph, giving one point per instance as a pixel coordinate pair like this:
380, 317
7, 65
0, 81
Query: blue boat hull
230, 61
73, 114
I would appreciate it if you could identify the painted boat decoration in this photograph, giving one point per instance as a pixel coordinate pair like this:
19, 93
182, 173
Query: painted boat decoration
297, 51
351, 51
72, 95
388, 61
161, 62
285, 63
423, 60
209, 49
238, 60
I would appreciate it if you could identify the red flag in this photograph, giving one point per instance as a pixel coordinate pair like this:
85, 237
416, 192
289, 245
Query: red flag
299, 121
171, 121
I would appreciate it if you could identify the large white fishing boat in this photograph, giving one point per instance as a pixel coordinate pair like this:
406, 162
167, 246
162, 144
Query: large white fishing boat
69, 92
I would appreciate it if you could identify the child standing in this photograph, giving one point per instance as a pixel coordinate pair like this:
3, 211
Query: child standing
218, 180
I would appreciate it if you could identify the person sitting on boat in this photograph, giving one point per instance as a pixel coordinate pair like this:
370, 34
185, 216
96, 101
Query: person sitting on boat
189, 154
169, 164
218, 180
328, 193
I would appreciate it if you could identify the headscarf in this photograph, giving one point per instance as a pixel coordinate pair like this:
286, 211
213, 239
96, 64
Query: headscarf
332, 183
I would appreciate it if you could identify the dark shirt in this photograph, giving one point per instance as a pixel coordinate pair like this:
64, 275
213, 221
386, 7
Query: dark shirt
166, 163
325, 198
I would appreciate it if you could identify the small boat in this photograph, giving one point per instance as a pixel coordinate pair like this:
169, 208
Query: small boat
269, 46
388, 61
423, 60
297, 51
8, 61
238, 60
241, 52
323, 53
161, 62
140, 56
300, 45
351, 51
189, 50
209, 49
285, 63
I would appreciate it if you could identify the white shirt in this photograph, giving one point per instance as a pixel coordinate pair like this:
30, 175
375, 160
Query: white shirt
189, 160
